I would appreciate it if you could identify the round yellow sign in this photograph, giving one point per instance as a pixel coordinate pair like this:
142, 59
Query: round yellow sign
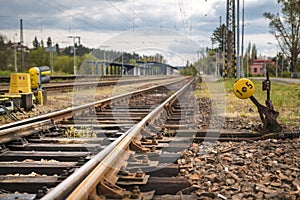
243, 88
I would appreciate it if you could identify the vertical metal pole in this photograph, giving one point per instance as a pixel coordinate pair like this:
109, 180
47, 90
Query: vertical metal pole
122, 70
51, 61
15, 55
104, 64
242, 48
230, 54
276, 61
74, 52
238, 40
217, 63
247, 57
21, 43
282, 63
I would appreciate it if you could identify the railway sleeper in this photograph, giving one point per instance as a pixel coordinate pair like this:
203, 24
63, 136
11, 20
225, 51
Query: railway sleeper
35, 155
39, 167
56, 147
29, 184
18, 196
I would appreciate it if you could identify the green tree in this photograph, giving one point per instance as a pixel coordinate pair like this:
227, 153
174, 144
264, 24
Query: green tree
253, 52
35, 43
38, 57
57, 49
219, 35
286, 29
49, 42
6, 53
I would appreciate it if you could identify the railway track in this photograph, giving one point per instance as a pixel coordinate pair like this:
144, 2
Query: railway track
123, 147
88, 82
35, 156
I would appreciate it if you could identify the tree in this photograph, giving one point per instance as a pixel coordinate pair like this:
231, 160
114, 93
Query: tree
35, 43
286, 29
254, 52
6, 53
57, 48
49, 42
219, 36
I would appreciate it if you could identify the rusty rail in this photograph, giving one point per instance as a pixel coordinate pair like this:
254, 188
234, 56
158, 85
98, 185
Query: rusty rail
89, 175
65, 113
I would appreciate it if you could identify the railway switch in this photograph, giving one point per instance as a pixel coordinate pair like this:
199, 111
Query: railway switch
244, 88
24, 88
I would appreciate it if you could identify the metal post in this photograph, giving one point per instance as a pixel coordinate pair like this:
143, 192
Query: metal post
238, 40
21, 44
282, 63
122, 70
51, 61
247, 57
15, 57
276, 65
74, 51
230, 54
242, 48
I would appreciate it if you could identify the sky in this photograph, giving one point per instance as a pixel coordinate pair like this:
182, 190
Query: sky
177, 29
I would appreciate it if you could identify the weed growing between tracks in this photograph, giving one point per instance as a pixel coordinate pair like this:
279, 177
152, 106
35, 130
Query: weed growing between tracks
79, 133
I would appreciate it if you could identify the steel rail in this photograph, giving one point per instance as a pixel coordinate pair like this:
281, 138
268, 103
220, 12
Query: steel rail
89, 83
69, 111
62, 190
90, 182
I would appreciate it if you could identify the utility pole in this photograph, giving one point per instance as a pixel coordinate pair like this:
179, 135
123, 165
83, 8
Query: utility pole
74, 51
243, 27
238, 40
230, 51
15, 54
21, 43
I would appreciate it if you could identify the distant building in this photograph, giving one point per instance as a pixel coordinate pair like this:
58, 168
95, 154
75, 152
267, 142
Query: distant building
257, 68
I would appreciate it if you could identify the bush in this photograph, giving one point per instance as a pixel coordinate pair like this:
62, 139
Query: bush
5, 73
286, 74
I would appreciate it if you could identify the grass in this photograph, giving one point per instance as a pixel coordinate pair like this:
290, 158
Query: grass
284, 96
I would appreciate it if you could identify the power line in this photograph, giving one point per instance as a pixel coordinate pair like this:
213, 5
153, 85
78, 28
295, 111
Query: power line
133, 21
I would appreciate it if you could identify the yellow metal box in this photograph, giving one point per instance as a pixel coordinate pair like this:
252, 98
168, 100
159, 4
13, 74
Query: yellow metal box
20, 83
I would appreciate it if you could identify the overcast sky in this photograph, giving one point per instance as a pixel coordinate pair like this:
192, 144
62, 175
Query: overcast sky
175, 28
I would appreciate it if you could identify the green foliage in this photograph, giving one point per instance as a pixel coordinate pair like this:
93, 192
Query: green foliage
286, 74
38, 57
63, 61
64, 64
286, 28
188, 71
5, 73
218, 36
6, 53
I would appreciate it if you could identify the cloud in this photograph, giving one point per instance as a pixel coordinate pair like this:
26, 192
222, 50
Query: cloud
96, 21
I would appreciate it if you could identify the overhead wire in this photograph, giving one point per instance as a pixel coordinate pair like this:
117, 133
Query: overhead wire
124, 15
